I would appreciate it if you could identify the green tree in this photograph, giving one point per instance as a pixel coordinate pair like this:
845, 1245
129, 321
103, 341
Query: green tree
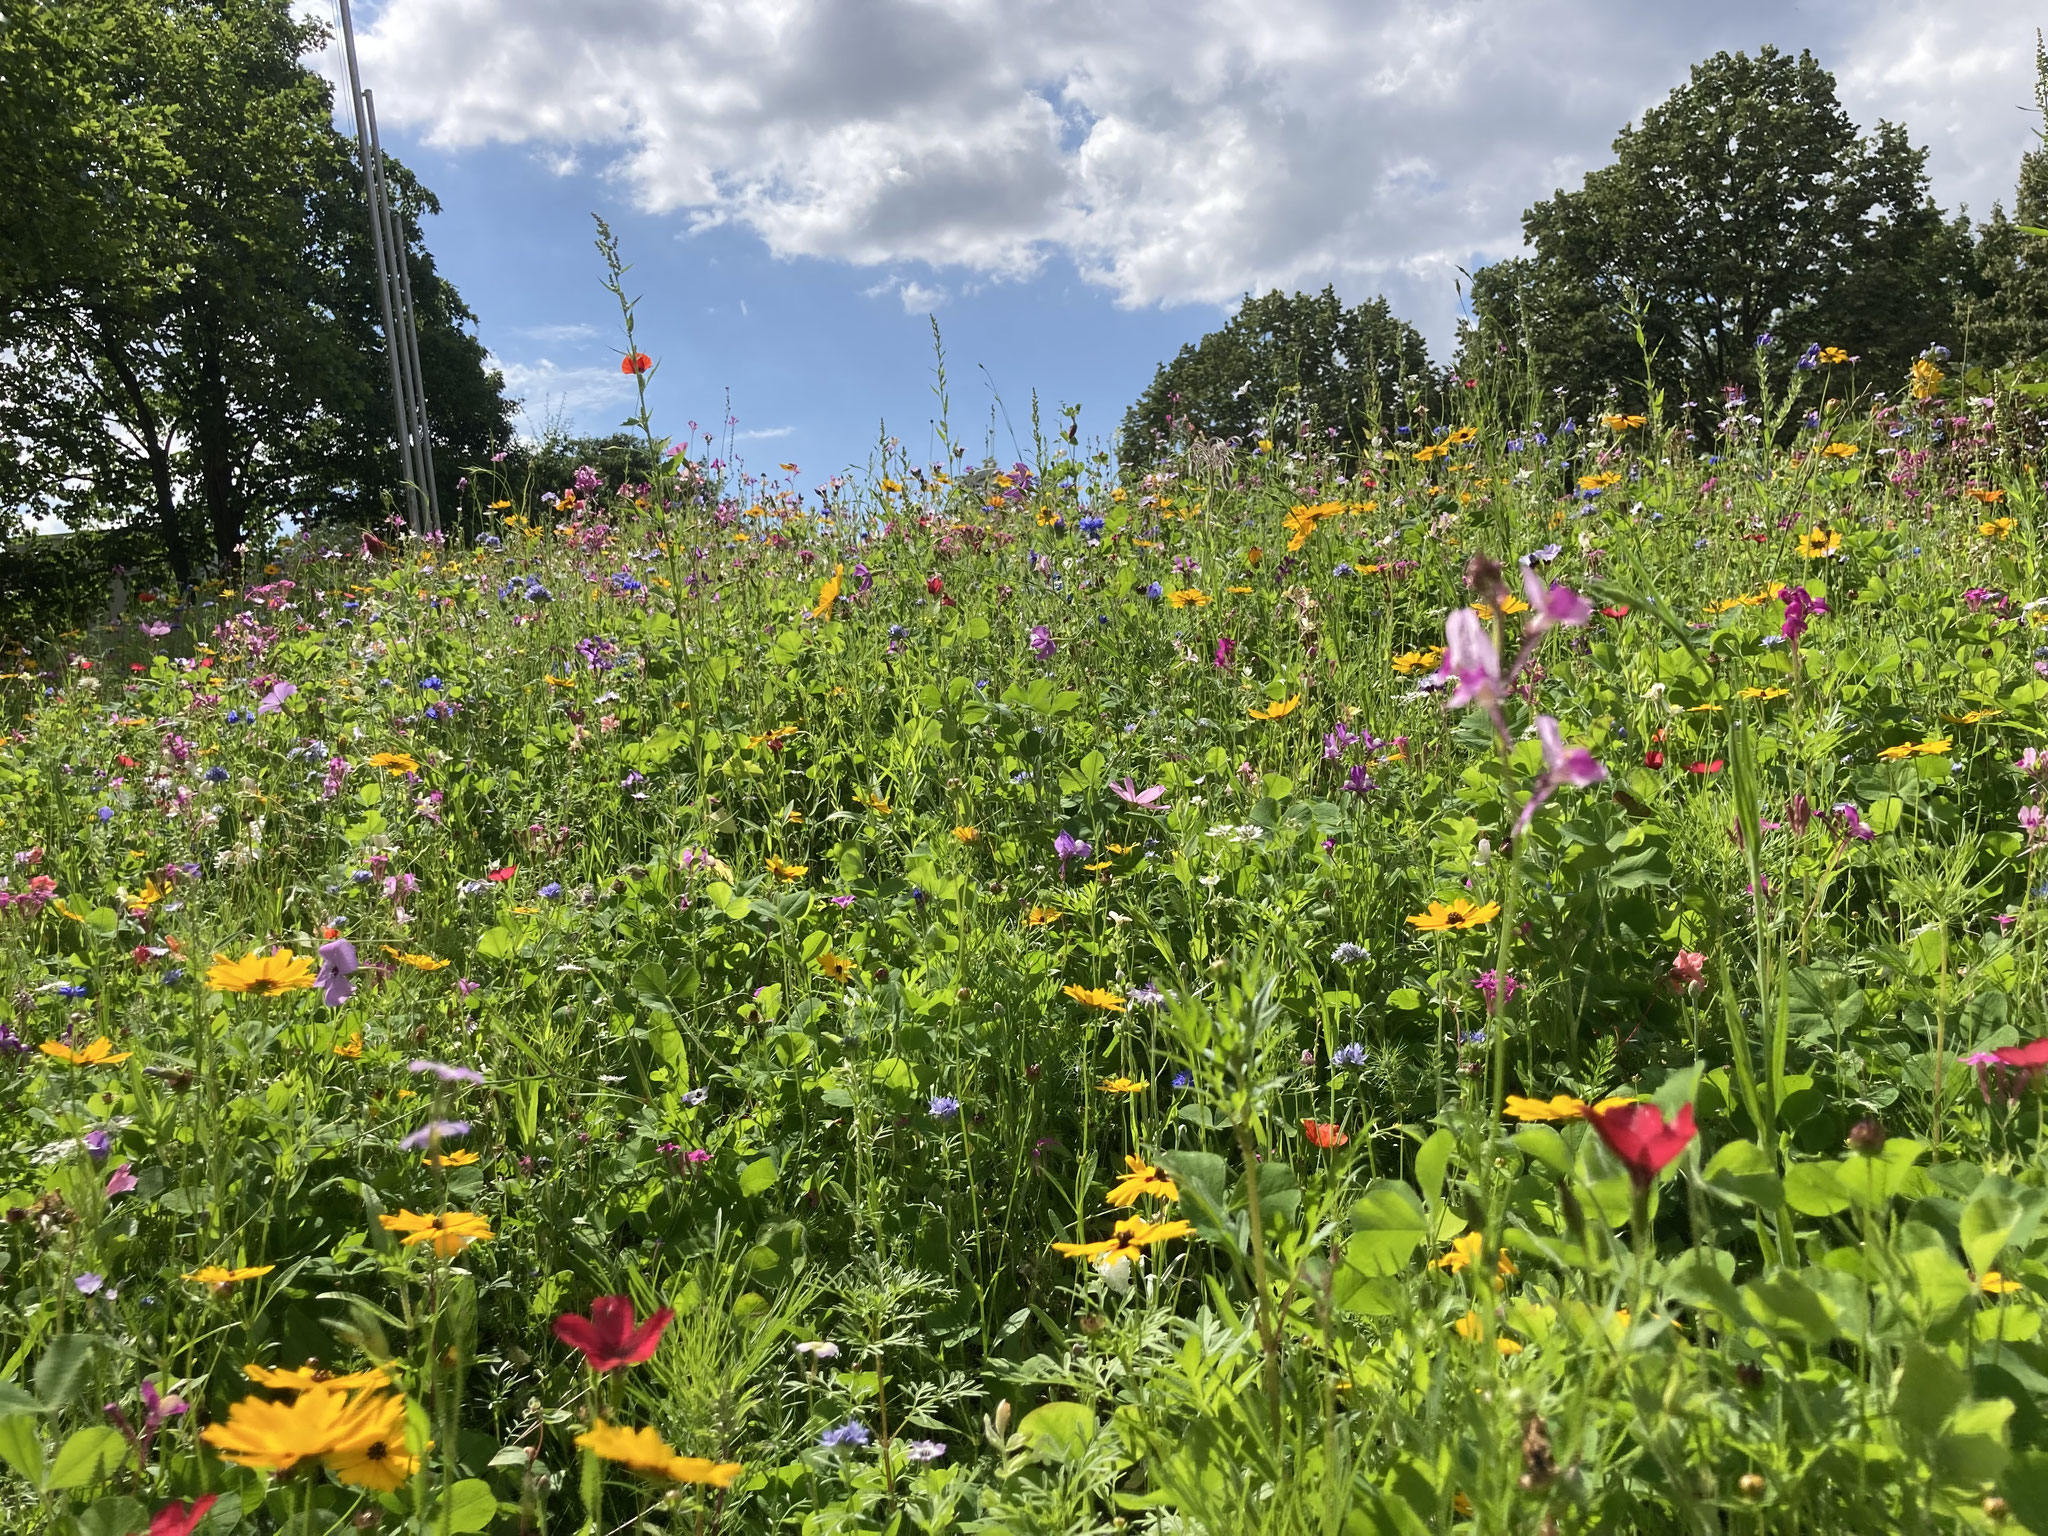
2009, 322
1746, 203
249, 385
1284, 362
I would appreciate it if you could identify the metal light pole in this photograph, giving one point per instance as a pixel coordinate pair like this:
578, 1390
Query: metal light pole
394, 305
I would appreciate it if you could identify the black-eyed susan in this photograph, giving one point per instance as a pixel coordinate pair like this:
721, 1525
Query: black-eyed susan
1041, 917
967, 835
786, 872
100, 1053
217, 1275
828, 594
1427, 660
397, 764
261, 975
1456, 917
1095, 997
312, 1378
838, 967
276, 1437
1120, 1085
351, 1049
645, 1452
1839, 451
416, 962
1466, 1251
1279, 709
1817, 543
449, 1231
461, 1157
1128, 1240
1141, 1179
1188, 597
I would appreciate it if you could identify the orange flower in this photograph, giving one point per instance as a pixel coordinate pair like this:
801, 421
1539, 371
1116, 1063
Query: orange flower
1326, 1134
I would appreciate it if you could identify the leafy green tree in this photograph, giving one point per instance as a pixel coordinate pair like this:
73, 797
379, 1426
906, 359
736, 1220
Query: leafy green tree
1746, 203
1284, 362
249, 386
2009, 322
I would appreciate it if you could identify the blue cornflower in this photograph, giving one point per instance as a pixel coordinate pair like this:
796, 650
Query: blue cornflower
1343, 569
1091, 525
431, 684
1352, 1055
551, 890
1155, 591
68, 989
851, 1433
105, 813
944, 1106
1182, 1079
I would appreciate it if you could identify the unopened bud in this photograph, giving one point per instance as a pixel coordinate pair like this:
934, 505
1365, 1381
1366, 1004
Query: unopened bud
1750, 1485
1867, 1136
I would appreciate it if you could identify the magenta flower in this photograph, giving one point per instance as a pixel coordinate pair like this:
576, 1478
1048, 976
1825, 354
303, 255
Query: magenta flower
273, 701
1130, 794
1494, 984
1562, 765
121, 1180
1552, 605
1800, 605
337, 965
1042, 643
1069, 847
1471, 660
2010, 1070
1225, 649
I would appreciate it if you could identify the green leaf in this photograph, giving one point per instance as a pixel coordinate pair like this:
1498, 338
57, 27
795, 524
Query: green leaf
14, 1400
1930, 1385
497, 943
1542, 1144
1407, 999
758, 1177
21, 1447
1812, 1189
1202, 1178
1387, 1226
1787, 1306
115, 1515
1057, 1431
1742, 1170
2000, 1215
61, 1370
91, 1455
1432, 1158
471, 1506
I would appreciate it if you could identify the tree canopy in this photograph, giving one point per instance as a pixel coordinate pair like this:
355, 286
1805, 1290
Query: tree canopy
195, 345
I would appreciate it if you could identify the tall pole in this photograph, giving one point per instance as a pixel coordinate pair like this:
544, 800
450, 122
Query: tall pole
408, 322
412, 471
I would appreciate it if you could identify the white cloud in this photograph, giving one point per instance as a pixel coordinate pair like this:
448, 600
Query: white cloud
574, 396
1175, 150
760, 434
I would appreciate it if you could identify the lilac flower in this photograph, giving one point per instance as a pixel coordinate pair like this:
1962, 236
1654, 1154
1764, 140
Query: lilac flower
1225, 649
851, 1433
1352, 1055
696, 1098
1335, 742
1042, 644
1852, 823
923, 1451
697, 1155
97, 1141
273, 701
840, 901
337, 965
1562, 765
1471, 661
1068, 848
1130, 794
1543, 556
943, 1107
90, 1283
433, 1133
445, 1072
11, 1044
1800, 605
464, 986
551, 890
1552, 605
2030, 820
1144, 995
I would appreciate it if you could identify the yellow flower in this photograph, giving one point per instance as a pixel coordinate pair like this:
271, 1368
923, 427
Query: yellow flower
1141, 1179
1833, 356
1279, 710
1818, 543
1598, 482
874, 803
1041, 917
1997, 528
352, 1050
1419, 661
308, 1378
417, 962
1906, 749
269, 975
782, 871
838, 967
213, 1274
1839, 451
1562, 1107
1096, 997
1119, 1085
1468, 1326
1465, 1252
1992, 1283
1425, 454
100, 1053
1188, 597
1761, 693
1460, 915
460, 1158
450, 1232
1621, 423
1974, 717
373, 1453
1933, 748
1927, 380
151, 894
399, 764
278, 1436
1990, 497
1508, 604
967, 834
645, 1452
1131, 1236
828, 594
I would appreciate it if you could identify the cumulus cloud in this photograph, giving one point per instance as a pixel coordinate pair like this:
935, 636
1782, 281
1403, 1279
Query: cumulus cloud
569, 396
1175, 151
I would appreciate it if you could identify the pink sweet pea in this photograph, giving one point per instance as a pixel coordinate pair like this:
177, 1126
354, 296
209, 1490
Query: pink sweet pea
1552, 605
1471, 660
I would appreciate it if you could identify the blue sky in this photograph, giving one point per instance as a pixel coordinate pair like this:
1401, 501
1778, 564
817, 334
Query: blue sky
1074, 187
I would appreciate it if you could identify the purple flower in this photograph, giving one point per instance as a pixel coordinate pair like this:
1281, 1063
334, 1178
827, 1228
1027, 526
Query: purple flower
445, 1072
1471, 661
924, 1450
1348, 1056
1493, 984
1130, 794
464, 986
851, 1433
1800, 605
1225, 649
1334, 742
1042, 644
697, 1155
337, 965
1852, 823
1068, 848
90, 1283
1360, 782
944, 1107
551, 890
273, 701
1552, 605
1567, 765
96, 1143
11, 1044
433, 1133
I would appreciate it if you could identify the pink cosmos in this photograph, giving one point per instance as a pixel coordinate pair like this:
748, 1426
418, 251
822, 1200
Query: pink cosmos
1471, 660
1552, 605
1130, 794
121, 1180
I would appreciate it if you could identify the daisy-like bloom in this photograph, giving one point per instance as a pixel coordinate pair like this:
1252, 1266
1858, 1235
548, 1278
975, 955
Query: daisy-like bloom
1997, 528
373, 1453
1835, 356
1460, 915
308, 1378
1839, 451
1279, 709
100, 1053
269, 975
1119, 1085
1095, 997
874, 803
460, 1158
218, 1277
1992, 1283
417, 962
1188, 597
645, 1452
838, 967
278, 1436
1130, 1238
1563, 1107
1041, 917
1818, 543
1906, 749
782, 871
828, 594
967, 834
450, 1233
1760, 693
1468, 1328
1141, 1178
397, 764
1598, 482
1425, 660
1465, 1252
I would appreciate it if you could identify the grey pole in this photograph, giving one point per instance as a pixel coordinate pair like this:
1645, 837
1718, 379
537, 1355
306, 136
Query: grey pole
408, 327
409, 468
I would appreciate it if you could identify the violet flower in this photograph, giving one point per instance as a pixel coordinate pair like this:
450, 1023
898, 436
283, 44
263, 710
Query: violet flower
1042, 644
445, 1072
1552, 605
1068, 848
337, 965
433, 1133
1562, 765
1471, 661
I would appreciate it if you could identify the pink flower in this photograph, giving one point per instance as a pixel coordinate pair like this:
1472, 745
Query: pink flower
1688, 970
1130, 794
1552, 605
121, 1180
1225, 649
1575, 766
1492, 984
2010, 1070
1471, 660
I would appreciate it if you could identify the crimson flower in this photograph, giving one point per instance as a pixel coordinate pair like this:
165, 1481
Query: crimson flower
1714, 767
1653, 759
1637, 1134
180, 1518
500, 876
2010, 1070
635, 362
1325, 1133
1618, 611
608, 1338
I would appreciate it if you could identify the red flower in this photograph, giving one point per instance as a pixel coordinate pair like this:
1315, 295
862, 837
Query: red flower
608, 1338
178, 1518
1714, 767
934, 585
635, 362
1618, 611
2010, 1070
1637, 1134
500, 876
1325, 1133
1653, 759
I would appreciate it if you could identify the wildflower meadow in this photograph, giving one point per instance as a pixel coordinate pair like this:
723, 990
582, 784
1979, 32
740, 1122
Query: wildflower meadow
1493, 983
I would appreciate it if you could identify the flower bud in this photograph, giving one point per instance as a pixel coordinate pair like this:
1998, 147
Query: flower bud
1867, 1136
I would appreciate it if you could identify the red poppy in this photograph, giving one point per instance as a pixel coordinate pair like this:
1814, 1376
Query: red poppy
1325, 1133
635, 362
608, 1338
500, 876
934, 585
1653, 759
1714, 767
374, 546
179, 1518
1637, 1134
1618, 611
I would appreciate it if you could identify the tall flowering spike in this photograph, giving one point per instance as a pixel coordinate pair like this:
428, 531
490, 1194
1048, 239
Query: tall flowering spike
1575, 766
609, 1337
1552, 606
1471, 660
1638, 1135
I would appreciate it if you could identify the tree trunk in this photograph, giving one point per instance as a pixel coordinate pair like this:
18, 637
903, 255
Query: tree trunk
149, 431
